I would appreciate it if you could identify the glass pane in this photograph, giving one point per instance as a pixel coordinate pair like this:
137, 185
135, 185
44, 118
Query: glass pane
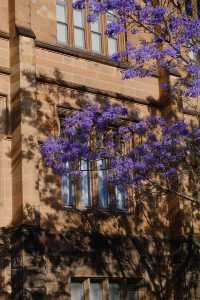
61, 13
79, 38
114, 291
62, 33
67, 189
188, 7
77, 291
112, 46
95, 26
132, 293
198, 9
102, 184
78, 18
110, 18
96, 42
120, 197
95, 291
85, 183
192, 55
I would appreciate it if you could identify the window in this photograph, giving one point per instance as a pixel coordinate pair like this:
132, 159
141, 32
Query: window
79, 28
68, 188
114, 291
112, 41
77, 291
198, 9
120, 197
91, 188
96, 36
102, 183
95, 290
188, 7
74, 31
85, 187
61, 17
69, 185
132, 293
102, 289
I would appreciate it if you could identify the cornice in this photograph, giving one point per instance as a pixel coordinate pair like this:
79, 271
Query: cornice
25, 31
100, 92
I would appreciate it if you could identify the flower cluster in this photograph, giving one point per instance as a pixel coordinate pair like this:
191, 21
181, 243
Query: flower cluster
173, 40
137, 151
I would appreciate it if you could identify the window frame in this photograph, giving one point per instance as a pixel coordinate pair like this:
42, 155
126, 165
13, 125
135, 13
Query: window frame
188, 7
93, 182
104, 282
87, 28
111, 38
82, 29
58, 22
89, 186
72, 190
100, 35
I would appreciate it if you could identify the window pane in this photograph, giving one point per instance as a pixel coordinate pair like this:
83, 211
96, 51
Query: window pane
78, 18
67, 189
112, 46
95, 291
188, 7
120, 196
132, 293
114, 291
85, 183
102, 184
95, 26
111, 17
96, 42
192, 55
198, 9
79, 38
62, 33
61, 13
77, 291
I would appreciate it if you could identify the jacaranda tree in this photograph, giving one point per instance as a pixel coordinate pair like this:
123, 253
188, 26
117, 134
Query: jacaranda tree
173, 41
154, 153
164, 148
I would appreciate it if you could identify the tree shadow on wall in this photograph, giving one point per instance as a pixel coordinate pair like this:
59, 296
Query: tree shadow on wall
52, 244
100, 244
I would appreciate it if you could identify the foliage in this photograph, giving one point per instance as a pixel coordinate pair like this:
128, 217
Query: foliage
150, 151
158, 150
173, 39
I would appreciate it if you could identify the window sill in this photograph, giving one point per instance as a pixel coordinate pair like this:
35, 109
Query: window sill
81, 53
86, 54
93, 210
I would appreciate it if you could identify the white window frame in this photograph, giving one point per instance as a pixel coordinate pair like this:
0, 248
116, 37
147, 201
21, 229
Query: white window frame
64, 23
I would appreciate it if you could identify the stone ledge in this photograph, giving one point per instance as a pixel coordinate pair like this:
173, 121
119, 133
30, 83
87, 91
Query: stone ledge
24, 31
92, 90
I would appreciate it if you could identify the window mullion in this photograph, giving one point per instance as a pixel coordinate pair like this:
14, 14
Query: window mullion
104, 36
105, 289
86, 286
124, 292
70, 22
87, 29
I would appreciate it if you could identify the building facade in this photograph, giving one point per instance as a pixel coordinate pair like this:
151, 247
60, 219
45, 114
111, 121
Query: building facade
61, 239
